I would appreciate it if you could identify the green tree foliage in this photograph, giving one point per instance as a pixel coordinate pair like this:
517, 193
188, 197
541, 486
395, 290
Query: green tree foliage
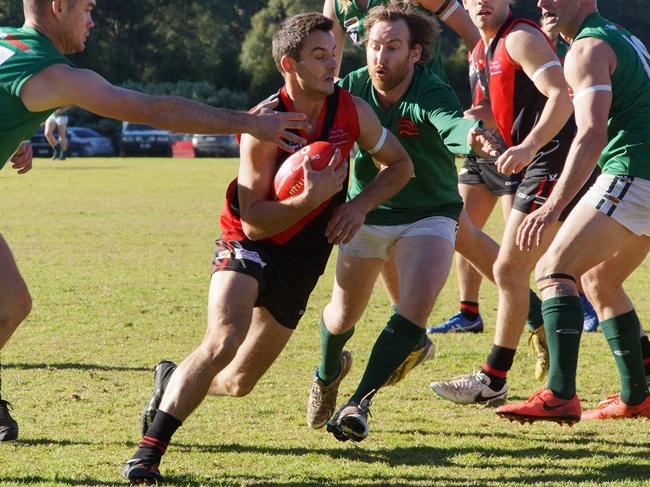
227, 43
255, 55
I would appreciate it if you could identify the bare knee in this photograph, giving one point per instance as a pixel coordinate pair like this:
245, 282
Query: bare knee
237, 386
598, 287
17, 310
338, 319
218, 349
509, 274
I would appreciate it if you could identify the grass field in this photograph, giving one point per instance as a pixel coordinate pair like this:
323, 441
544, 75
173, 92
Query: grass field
117, 255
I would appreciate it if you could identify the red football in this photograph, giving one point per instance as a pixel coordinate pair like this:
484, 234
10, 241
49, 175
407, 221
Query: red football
289, 180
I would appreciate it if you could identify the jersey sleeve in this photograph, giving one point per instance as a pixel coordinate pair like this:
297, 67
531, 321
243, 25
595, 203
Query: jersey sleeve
446, 116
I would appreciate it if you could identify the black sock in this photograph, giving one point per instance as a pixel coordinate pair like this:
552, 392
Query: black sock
154, 443
469, 309
497, 365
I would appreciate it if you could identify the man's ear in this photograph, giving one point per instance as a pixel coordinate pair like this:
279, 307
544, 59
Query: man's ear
288, 64
416, 53
56, 7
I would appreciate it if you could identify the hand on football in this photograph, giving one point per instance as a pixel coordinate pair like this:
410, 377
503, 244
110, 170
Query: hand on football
483, 142
322, 185
276, 126
22, 158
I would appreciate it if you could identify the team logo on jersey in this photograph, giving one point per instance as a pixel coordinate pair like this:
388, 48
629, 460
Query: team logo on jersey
338, 137
495, 67
407, 127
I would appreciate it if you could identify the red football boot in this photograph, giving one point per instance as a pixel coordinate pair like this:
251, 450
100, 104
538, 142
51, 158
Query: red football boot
614, 408
543, 406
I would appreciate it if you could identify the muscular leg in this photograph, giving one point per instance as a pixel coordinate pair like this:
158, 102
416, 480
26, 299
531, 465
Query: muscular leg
478, 203
603, 285
63, 136
353, 285
420, 281
48, 132
265, 340
15, 305
512, 275
562, 310
15, 301
230, 309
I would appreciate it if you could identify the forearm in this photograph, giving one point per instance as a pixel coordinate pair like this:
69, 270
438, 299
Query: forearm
580, 163
182, 115
555, 115
460, 22
266, 218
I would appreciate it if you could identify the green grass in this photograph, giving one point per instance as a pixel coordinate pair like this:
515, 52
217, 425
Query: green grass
117, 255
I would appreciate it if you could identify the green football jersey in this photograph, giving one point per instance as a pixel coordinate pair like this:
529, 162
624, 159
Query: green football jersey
429, 123
628, 149
23, 52
353, 18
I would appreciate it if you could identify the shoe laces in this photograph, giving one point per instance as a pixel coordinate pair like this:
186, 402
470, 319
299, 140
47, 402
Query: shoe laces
535, 395
610, 400
366, 402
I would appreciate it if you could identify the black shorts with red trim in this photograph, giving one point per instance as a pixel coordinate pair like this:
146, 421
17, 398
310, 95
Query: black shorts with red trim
534, 190
284, 288
484, 171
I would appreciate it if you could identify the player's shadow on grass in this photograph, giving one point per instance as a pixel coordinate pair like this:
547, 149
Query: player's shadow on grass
535, 460
576, 438
59, 480
74, 366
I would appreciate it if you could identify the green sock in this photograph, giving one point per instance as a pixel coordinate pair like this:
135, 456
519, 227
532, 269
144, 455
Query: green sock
622, 334
535, 319
393, 345
563, 321
331, 347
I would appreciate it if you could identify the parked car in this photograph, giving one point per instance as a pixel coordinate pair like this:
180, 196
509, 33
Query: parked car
40, 146
143, 140
85, 142
215, 145
82, 142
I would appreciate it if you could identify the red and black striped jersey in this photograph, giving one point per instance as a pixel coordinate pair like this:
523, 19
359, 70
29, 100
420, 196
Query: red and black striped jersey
516, 103
337, 123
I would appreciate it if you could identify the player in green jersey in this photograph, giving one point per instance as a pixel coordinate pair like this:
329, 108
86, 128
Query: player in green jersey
349, 17
417, 225
36, 78
608, 70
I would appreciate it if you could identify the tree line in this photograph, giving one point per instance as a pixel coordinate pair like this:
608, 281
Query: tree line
219, 51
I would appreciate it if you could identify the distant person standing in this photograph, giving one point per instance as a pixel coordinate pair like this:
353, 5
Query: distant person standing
59, 123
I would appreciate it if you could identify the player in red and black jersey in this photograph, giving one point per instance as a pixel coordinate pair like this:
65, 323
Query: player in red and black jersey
480, 185
530, 101
272, 252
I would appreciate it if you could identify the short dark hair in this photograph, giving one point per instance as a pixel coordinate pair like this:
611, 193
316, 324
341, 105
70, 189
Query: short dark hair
291, 34
423, 29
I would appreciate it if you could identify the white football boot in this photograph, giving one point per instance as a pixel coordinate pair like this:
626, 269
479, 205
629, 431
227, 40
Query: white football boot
471, 388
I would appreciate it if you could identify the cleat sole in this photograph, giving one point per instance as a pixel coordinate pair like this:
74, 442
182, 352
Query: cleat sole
522, 419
